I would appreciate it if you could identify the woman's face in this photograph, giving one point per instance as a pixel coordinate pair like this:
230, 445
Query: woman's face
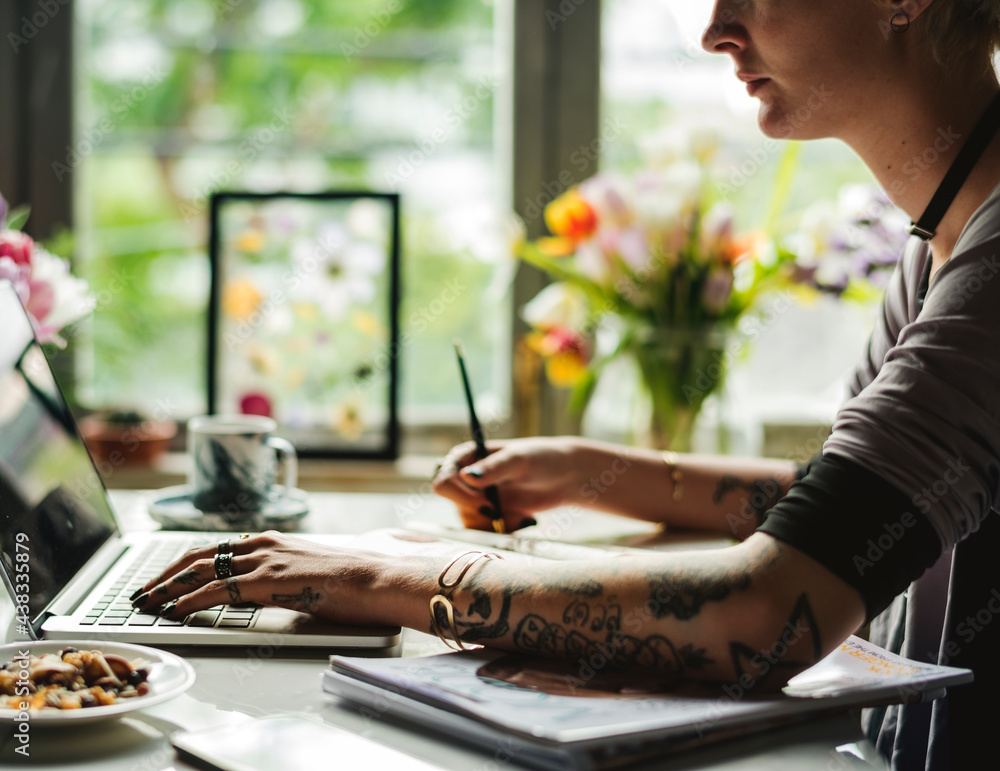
817, 66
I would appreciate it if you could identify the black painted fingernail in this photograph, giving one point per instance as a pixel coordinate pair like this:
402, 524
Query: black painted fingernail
140, 601
167, 610
528, 522
136, 593
474, 472
488, 511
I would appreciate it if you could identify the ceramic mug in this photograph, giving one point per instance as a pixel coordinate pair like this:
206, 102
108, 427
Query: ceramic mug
234, 462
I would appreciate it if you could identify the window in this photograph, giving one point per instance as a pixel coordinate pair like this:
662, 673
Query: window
178, 98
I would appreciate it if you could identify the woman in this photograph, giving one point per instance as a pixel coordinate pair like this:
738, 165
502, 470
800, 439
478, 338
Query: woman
909, 471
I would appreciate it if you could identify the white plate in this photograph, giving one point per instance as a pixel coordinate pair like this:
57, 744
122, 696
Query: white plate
169, 676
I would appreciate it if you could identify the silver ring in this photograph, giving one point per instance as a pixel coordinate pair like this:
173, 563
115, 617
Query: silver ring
224, 548
224, 565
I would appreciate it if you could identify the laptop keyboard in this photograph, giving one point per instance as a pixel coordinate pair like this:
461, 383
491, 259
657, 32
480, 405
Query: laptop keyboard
115, 607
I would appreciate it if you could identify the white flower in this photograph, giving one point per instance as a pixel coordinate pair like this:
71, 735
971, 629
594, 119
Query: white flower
70, 300
610, 196
338, 272
557, 305
819, 222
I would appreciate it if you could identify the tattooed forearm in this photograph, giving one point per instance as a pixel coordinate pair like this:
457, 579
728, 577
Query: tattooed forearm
761, 494
573, 639
307, 598
476, 625
683, 594
754, 668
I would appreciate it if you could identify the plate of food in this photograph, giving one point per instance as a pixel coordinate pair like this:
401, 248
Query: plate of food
70, 683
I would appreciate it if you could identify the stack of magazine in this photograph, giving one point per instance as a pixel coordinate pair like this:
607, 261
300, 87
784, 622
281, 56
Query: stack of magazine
546, 716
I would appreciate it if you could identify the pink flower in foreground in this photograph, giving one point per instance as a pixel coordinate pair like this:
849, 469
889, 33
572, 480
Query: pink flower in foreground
16, 245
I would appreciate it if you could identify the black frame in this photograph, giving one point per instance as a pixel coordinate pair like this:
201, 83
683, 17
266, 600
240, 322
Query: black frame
390, 448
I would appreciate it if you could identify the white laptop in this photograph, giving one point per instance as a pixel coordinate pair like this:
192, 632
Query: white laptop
64, 558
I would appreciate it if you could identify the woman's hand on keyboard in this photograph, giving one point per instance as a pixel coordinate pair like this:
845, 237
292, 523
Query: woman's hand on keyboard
279, 570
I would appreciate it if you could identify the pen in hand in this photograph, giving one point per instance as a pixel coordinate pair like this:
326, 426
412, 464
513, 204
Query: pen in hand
493, 511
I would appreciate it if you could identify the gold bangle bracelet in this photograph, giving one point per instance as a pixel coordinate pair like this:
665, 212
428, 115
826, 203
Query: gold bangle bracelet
442, 603
676, 475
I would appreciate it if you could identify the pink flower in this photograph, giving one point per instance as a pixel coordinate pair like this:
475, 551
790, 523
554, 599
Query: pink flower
256, 403
16, 245
41, 301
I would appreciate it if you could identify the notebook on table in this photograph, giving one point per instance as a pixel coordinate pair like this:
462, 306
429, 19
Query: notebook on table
62, 549
549, 714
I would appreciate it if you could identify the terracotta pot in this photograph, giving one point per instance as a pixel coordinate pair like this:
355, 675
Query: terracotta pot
127, 444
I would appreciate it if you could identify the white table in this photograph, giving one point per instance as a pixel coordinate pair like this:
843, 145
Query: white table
234, 689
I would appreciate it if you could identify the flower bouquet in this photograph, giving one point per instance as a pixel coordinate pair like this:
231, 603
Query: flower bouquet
52, 296
652, 264
847, 248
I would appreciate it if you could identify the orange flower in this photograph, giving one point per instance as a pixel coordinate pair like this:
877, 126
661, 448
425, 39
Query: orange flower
250, 241
564, 370
240, 299
564, 353
570, 216
742, 247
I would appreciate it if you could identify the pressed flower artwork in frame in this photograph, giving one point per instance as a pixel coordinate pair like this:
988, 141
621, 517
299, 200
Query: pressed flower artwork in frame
303, 317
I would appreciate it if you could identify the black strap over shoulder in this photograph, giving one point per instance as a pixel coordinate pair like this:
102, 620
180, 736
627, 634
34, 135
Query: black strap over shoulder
974, 146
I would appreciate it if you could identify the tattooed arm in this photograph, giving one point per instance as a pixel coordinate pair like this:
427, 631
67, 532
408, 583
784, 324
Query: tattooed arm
718, 493
752, 614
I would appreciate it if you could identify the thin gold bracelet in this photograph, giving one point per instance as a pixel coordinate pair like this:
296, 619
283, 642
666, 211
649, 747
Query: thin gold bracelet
442, 601
676, 475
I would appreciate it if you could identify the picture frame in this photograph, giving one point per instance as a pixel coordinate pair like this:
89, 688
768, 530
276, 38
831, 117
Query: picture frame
304, 317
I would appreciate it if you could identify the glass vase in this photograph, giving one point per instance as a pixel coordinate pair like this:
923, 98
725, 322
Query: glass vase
678, 369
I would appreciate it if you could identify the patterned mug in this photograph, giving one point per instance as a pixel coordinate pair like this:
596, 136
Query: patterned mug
234, 461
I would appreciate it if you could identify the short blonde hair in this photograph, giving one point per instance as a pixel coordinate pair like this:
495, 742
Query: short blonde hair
962, 29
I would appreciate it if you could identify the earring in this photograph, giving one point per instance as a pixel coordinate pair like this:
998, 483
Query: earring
899, 26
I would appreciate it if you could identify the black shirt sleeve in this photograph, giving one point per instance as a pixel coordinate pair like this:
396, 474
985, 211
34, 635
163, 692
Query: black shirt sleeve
858, 526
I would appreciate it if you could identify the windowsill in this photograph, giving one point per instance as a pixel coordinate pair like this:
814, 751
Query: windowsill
406, 474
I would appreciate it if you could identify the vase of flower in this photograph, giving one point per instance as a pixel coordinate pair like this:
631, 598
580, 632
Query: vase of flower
647, 269
678, 369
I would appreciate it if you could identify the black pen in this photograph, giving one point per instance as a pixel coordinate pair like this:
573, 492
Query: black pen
492, 511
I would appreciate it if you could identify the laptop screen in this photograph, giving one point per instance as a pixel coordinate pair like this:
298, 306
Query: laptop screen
54, 510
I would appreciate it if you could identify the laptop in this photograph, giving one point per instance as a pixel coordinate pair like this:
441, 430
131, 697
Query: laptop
63, 556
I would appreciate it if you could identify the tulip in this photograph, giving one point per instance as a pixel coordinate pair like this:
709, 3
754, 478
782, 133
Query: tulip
565, 354
570, 216
607, 194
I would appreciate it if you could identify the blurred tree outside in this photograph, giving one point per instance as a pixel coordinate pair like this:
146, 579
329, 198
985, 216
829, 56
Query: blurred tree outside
178, 98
